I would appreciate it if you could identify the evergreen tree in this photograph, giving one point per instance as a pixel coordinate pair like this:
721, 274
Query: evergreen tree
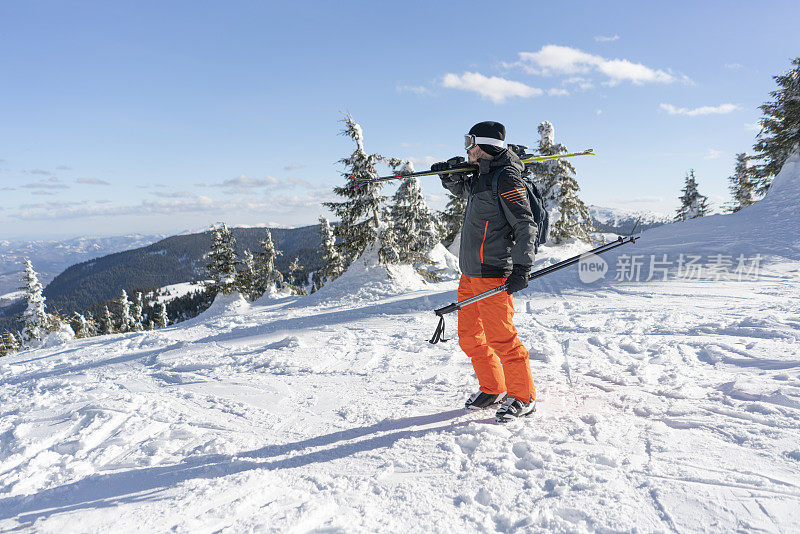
780, 127
8, 343
79, 325
743, 184
163, 319
106, 325
137, 315
569, 216
266, 275
222, 260
91, 324
246, 276
35, 320
296, 277
452, 217
334, 262
693, 204
361, 225
124, 321
414, 226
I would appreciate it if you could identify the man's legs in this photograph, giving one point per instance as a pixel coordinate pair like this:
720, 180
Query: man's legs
496, 315
472, 339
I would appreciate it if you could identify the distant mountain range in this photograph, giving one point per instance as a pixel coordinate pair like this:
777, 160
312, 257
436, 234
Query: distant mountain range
49, 258
621, 221
169, 261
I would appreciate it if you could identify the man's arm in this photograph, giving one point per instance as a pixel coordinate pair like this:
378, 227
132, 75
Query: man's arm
514, 201
458, 183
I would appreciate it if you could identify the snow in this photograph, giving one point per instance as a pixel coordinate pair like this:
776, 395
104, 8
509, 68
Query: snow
662, 406
173, 291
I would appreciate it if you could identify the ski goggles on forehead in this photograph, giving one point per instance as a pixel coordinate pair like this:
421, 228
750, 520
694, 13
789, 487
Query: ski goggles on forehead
472, 140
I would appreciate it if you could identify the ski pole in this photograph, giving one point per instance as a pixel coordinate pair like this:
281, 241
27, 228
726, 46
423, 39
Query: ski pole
438, 335
468, 167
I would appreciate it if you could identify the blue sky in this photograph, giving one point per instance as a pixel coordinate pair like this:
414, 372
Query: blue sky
160, 117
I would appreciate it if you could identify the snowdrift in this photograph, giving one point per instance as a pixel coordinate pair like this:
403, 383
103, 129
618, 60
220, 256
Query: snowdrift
770, 227
368, 279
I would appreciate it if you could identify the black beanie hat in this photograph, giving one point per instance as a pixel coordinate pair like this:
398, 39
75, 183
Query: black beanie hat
493, 130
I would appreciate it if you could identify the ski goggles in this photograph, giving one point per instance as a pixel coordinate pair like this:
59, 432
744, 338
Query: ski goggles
471, 140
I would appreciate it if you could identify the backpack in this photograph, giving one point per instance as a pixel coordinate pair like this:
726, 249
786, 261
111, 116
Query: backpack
540, 215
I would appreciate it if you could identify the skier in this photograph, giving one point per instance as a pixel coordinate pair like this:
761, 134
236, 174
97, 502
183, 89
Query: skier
497, 246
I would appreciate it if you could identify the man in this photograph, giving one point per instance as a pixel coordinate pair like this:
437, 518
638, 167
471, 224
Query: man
497, 245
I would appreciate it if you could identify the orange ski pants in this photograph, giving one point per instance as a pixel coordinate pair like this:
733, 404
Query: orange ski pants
487, 335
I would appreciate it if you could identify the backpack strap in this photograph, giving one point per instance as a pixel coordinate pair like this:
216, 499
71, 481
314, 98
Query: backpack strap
495, 196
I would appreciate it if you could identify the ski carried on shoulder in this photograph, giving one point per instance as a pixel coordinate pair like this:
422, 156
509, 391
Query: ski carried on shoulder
468, 168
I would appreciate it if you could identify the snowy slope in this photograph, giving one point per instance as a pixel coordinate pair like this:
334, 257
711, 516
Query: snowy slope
662, 406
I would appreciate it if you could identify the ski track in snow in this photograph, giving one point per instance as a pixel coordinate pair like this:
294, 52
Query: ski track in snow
652, 415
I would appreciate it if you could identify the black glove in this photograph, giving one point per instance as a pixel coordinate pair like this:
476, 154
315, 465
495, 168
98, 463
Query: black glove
518, 279
452, 163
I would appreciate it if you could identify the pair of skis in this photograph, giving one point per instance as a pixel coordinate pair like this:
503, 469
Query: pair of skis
468, 168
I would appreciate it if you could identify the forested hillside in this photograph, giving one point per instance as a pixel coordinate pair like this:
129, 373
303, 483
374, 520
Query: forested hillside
169, 261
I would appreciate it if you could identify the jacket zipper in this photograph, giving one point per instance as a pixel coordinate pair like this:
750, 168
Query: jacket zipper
485, 227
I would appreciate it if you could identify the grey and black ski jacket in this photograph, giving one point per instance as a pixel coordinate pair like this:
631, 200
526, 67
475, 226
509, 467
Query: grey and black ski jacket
490, 243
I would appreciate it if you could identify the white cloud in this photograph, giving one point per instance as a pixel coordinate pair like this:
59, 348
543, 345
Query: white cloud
44, 185
281, 204
734, 66
293, 166
564, 60
38, 171
91, 181
246, 182
63, 168
603, 39
557, 92
175, 194
599, 112
752, 126
415, 89
423, 163
582, 83
492, 88
713, 154
703, 110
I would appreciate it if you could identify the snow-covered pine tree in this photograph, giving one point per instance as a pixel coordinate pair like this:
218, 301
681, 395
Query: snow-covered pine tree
334, 262
106, 324
35, 320
266, 275
780, 127
221, 267
295, 277
246, 276
91, 324
162, 318
742, 184
569, 216
693, 204
79, 325
361, 225
122, 305
8, 343
415, 228
137, 312
452, 217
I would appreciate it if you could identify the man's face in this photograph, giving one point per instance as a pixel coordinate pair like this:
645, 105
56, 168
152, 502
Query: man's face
475, 153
